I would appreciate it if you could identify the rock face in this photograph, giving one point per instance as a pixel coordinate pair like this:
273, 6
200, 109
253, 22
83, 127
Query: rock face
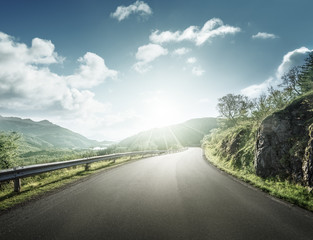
284, 143
307, 166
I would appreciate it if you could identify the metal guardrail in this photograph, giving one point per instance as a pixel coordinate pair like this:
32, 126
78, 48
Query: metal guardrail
21, 172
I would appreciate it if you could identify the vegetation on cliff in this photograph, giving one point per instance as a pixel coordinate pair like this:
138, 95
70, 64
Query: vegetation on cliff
268, 141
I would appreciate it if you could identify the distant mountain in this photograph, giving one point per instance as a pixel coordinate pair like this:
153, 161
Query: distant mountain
44, 134
186, 134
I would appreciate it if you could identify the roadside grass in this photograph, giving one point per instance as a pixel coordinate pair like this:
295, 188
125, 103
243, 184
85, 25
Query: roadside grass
283, 189
36, 186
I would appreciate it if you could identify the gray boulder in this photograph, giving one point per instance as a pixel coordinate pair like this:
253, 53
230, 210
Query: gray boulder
284, 143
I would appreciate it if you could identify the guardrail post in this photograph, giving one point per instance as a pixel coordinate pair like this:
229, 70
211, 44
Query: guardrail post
17, 185
87, 167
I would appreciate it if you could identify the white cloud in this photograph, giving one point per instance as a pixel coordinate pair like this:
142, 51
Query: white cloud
181, 51
198, 71
27, 84
212, 28
291, 59
191, 60
166, 36
256, 90
142, 67
92, 72
150, 52
146, 54
139, 7
41, 51
264, 35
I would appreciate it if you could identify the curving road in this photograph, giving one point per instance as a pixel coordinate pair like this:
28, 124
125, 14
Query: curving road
176, 196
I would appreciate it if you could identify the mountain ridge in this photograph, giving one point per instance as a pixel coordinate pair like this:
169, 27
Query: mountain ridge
185, 134
45, 134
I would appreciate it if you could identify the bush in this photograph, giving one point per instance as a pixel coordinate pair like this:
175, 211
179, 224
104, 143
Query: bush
8, 146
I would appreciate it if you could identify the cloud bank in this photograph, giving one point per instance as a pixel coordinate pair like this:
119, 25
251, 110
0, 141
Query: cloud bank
27, 84
91, 72
291, 59
138, 7
211, 29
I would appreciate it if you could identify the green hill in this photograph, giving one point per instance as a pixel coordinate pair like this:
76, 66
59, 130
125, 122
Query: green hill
44, 134
187, 134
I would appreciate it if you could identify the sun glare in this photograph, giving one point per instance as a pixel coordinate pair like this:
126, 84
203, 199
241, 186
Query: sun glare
162, 112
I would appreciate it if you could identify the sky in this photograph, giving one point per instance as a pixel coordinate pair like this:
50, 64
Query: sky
109, 69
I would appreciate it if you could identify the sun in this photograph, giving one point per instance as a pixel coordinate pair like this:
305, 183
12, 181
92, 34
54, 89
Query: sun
161, 112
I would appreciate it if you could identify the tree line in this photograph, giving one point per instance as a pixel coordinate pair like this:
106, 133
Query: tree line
296, 82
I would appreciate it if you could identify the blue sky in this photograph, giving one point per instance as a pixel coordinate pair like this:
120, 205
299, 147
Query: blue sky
108, 69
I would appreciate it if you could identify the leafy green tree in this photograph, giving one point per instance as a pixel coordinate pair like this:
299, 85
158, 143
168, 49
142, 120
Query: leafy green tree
292, 81
277, 99
299, 80
8, 146
262, 108
234, 107
307, 74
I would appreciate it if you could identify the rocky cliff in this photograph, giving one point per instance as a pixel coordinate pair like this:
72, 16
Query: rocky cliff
285, 142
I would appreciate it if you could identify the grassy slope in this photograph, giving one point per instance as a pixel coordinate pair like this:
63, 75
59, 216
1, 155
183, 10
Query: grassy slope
42, 142
232, 150
44, 134
282, 189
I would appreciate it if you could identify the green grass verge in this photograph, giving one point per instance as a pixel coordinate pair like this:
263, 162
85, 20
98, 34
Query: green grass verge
34, 187
290, 192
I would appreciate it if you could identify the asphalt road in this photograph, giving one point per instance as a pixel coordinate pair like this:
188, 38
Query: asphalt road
176, 196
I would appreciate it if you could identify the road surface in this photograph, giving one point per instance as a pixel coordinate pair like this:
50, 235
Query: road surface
175, 196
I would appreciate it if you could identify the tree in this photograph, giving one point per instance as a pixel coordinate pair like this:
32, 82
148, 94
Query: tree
299, 80
292, 81
234, 107
307, 74
277, 99
262, 107
8, 146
